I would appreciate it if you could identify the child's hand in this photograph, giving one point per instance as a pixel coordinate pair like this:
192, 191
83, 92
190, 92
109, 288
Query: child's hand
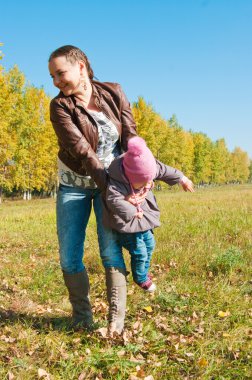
139, 214
131, 199
187, 184
137, 199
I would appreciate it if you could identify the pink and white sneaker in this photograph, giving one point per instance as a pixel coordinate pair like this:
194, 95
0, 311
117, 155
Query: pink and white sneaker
148, 285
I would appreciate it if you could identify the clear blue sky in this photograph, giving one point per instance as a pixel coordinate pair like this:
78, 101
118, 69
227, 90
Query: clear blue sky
192, 58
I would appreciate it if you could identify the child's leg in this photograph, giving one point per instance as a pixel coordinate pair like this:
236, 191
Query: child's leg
150, 245
135, 244
149, 240
140, 246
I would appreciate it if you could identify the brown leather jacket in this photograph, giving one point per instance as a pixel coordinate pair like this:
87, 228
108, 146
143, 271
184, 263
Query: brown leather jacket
77, 133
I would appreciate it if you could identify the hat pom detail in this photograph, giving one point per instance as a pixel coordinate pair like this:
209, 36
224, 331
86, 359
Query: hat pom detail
136, 146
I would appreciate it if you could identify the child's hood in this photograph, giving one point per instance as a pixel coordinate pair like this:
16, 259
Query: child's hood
115, 170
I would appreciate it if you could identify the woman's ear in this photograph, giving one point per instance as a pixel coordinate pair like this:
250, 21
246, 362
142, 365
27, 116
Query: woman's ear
83, 69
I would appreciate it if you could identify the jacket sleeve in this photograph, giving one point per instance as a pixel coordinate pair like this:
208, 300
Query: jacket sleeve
127, 120
73, 141
117, 204
168, 174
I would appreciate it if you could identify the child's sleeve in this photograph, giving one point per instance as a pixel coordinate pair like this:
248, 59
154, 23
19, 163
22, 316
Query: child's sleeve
168, 174
116, 203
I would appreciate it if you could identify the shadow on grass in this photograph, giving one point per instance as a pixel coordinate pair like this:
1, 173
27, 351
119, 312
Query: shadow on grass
41, 324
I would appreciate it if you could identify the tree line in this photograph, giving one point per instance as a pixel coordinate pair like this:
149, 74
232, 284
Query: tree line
28, 146
200, 158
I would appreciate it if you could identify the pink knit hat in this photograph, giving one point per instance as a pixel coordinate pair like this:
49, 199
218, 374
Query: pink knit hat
138, 162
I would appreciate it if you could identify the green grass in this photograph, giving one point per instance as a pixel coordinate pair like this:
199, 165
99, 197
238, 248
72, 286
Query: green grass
202, 266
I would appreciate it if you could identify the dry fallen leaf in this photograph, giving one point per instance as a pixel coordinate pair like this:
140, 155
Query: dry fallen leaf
223, 314
133, 377
148, 309
202, 362
42, 374
77, 340
127, 336
99, 377
83, 376
176, 346
180, 360
199, 330
140, 372
137, 328
189, 354
114, 370
195, 315
10, 376
133, 359
100, 306
8, 339
173, 264
103, 331
121, 353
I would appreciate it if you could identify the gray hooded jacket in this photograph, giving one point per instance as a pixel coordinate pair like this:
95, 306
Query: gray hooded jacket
118, 213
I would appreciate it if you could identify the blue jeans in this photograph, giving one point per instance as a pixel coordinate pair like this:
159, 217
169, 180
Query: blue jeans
140, 246
73, 211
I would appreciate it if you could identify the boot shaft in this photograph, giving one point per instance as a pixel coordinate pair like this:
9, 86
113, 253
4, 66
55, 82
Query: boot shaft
116, 294
78, 289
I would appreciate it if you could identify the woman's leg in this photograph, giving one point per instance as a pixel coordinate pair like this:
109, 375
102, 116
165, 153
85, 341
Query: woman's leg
73, 211
115, 270
110, 249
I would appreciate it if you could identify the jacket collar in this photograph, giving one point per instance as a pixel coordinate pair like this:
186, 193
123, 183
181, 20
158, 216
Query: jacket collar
96, 92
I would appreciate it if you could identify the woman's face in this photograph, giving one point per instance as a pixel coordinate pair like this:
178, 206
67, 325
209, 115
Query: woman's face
66, 75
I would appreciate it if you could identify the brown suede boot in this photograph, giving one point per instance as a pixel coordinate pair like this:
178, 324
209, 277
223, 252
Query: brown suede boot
78, 289
117, 294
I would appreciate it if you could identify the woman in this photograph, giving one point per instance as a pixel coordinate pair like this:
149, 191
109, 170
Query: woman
93, 122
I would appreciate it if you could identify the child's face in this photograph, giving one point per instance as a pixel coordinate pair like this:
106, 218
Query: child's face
142, 185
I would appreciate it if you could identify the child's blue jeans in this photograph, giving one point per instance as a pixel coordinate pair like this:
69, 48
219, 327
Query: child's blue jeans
140, 246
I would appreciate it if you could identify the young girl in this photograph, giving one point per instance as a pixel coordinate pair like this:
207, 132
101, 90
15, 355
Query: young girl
130, 206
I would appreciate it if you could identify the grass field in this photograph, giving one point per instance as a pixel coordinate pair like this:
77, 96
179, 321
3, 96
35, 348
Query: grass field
196, 326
